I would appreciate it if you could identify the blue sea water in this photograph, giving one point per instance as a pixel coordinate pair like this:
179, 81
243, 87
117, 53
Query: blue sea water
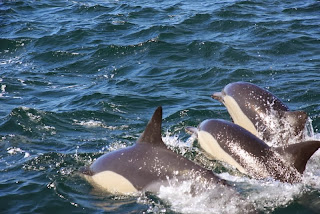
82, 78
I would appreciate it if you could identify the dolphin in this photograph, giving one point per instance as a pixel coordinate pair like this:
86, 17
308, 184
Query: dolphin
145, 166
228, 142
262, 113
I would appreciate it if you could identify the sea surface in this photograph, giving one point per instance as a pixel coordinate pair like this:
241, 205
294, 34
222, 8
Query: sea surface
82, 78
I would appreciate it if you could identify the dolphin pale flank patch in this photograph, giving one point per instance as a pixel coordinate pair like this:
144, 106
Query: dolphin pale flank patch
238, 116
213, 150
114, 183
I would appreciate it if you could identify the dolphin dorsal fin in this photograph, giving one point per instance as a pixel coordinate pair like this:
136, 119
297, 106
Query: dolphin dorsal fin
298, 154
152, 133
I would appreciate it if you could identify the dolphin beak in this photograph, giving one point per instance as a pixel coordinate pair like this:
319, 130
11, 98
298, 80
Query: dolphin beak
217, 96
192, 130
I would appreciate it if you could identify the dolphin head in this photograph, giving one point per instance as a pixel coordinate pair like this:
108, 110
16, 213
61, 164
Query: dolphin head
219, 96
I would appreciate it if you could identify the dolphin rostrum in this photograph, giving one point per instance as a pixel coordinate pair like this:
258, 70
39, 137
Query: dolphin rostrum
262, 113
225, 141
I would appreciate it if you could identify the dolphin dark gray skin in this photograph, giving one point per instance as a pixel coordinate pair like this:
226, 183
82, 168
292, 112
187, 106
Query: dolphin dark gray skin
262, 113
144, 166
225, 141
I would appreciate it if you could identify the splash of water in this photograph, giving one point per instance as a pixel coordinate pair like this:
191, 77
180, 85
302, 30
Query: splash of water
277, 130
215, 199
266, 195
15, 150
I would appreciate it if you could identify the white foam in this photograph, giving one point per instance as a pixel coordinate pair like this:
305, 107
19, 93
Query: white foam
174, 142
266, 194
14, 151
311, 175
114, 146
34, 118
89, 123
308, 130
3, 90
96, 123
215, 199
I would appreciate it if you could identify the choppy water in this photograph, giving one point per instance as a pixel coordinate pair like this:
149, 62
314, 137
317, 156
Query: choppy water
81, 78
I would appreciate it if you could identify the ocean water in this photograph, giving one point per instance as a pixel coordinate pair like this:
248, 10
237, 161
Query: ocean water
82, 78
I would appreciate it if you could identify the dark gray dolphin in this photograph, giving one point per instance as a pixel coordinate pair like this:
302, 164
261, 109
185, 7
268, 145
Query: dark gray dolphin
228, 142
262, 113
144, 166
